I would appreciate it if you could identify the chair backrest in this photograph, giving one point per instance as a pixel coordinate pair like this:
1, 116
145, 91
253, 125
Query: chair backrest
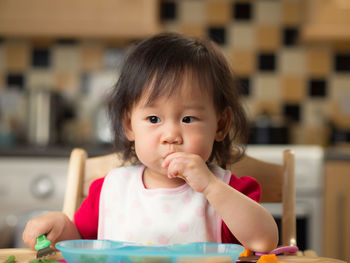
82, 171
277, 183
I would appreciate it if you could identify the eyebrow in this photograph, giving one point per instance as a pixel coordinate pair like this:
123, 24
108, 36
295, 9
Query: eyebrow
187, 107
195, 107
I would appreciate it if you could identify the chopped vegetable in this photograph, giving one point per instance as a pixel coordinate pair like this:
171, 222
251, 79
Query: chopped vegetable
268, 259
10, 259
246, 253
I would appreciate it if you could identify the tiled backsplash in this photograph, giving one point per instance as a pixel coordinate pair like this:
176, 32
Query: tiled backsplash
295, 86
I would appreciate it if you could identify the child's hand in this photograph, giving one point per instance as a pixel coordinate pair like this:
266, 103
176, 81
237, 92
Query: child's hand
52, 224
191, 168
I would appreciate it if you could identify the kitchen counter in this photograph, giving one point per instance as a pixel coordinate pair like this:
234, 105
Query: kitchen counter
52, 151
340, 153
26, 254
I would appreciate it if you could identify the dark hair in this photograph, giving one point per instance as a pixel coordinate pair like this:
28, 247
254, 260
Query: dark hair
158, 65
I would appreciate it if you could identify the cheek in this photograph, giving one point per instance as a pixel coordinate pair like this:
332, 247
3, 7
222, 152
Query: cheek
201, 145
144, 146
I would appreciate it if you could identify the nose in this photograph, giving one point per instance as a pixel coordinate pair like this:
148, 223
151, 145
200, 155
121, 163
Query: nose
172, 134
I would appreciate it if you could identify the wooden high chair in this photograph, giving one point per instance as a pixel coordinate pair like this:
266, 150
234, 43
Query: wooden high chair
277, 182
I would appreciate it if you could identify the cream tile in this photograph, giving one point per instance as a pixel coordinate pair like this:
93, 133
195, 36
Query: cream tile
339, 97
66, 58
242, 35
268, 12
339, 87
316, 112
192, 11
267, 87
99, 85
40, 79
171, 26
113, 58
292, 61
340, 113
249, 106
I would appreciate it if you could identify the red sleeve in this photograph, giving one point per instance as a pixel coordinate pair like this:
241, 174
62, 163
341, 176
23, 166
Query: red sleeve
251, 188
86, 217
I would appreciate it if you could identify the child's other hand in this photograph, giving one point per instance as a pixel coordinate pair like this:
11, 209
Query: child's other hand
52, 224
191, 168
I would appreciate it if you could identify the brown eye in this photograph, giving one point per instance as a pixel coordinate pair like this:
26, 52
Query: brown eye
154, 119
188, 119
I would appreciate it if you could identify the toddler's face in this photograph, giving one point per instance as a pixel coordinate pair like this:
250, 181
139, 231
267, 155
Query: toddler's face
184, 122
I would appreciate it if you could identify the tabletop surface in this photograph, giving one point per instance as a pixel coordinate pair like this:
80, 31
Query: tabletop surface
23, 255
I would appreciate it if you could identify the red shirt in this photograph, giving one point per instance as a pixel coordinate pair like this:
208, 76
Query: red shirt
86, 217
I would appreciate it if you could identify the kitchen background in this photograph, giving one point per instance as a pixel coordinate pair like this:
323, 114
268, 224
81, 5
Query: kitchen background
297, 91
295, 81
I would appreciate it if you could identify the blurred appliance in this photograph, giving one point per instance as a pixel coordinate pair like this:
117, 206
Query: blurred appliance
44, 107
29, 186
308, 187
269, 130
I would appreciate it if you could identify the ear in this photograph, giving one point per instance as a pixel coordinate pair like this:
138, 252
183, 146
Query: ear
224, 124
129, 133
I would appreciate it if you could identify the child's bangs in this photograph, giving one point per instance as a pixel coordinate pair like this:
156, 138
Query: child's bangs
171, 82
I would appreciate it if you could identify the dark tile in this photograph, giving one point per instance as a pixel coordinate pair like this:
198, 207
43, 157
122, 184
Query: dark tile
342, 62
67, 41
217, 34
41, 57
267, 62
268, 133
290, 36
242, 11
317, 88
338, 135
244, 86
15, 81
167, 10
292, 112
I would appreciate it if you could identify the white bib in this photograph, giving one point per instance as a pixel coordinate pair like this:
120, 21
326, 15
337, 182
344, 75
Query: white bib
130, 212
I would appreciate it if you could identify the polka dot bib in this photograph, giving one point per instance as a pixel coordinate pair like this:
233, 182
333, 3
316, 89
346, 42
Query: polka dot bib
130, 212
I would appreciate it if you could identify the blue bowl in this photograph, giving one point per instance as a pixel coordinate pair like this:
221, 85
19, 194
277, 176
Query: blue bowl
106, 251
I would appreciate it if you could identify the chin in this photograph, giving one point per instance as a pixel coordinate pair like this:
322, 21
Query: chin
157, 169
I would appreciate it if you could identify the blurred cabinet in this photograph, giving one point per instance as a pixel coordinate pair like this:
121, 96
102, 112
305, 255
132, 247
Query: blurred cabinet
327, 20
120, 19
337, 210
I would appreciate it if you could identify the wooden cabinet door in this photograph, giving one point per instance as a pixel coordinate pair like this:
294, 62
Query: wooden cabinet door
337, 210
326, 20
79, 18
